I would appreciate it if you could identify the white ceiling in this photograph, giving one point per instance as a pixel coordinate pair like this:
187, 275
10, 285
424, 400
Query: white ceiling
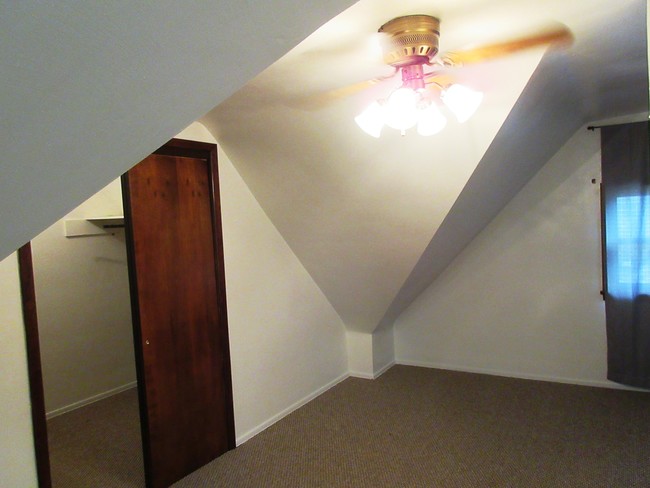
364, 215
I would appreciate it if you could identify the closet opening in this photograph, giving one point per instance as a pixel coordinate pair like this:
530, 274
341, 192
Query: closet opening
81, 285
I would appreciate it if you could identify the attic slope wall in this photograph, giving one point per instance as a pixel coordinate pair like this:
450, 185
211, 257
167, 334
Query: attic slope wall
89, 89
523, 298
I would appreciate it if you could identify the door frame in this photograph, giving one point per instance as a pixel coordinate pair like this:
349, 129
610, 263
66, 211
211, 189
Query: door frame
175, 147
34, 370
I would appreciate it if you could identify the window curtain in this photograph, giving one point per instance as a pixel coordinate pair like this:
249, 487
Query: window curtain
626, 196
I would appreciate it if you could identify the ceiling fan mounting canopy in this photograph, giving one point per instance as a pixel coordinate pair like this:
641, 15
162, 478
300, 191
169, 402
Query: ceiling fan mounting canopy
412, 39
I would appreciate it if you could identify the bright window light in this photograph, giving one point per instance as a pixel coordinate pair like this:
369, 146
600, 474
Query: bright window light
633, 229
628, 247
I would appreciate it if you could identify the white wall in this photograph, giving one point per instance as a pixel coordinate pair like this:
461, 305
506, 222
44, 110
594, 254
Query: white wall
17, 464
523, 298
370, 354
287, 343
383, 350
84, 313
360, 357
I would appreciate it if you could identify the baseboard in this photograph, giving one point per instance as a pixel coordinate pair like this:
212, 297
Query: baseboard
511, 374
362, 375
375, 375
382, 370
303, 401
87, 401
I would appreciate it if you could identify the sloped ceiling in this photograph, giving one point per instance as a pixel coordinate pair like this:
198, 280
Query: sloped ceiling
375, 221
91, 88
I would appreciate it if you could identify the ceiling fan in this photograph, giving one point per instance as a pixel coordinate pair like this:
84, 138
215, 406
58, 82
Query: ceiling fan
411, 46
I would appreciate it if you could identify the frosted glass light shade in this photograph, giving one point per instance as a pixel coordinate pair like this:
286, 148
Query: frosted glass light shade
431, 121
400, 111
462, 101
371, 120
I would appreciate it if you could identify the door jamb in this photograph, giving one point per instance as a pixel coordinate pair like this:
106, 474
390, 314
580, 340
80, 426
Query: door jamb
35, 373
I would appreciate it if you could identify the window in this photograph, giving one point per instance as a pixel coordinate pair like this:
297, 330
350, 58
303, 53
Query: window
628, 242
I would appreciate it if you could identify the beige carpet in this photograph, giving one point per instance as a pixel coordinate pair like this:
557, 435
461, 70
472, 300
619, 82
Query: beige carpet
98, 445
417, 427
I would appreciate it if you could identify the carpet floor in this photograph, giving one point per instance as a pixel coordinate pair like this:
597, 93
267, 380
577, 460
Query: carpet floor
417, 427
98, 445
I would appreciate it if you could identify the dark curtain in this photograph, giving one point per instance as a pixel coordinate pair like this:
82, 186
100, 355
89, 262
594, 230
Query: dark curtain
626, 193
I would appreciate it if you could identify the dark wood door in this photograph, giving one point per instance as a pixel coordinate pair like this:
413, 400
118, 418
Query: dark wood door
179, 309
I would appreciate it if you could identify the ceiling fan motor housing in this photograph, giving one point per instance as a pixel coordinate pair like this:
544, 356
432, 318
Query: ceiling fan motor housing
412, 39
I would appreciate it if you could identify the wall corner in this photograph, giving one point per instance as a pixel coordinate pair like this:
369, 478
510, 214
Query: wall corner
370, 354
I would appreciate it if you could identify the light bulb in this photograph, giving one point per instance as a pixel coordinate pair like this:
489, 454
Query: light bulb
431, 121
462, 101
400, 111
371, 120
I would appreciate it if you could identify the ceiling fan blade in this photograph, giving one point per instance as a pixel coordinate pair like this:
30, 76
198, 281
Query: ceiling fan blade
439, 79
320, 100
561, 36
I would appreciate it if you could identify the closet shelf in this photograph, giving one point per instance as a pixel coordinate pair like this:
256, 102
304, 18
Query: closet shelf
94, 226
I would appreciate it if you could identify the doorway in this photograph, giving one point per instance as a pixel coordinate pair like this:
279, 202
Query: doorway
86, 346
173, 236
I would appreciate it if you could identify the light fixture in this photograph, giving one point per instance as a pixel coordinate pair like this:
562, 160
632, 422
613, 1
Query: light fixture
431, 121
406, 107
371, 120
400, 111
462, 101
411, 42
